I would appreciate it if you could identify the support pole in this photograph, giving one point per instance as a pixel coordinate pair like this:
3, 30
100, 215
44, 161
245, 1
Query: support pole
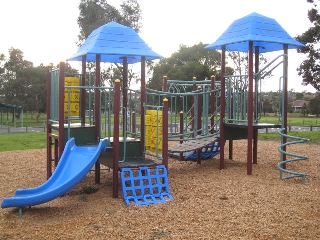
212, 104
97, 112
181, 158
285, 100
83, 92
250, 110
222, 105
165, 84
49, 139
199, 112
124, 95
143, 100
256, 102
61, 108
165, 133
116, 139
194, 88
199, 123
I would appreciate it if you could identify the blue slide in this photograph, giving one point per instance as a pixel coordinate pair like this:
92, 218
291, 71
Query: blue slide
74, 164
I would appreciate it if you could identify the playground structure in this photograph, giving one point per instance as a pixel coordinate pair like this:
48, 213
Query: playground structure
111, 100
239, 97
83, 110
255, 34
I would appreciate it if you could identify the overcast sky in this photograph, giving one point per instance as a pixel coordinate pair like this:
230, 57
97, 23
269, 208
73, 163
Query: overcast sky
46, 31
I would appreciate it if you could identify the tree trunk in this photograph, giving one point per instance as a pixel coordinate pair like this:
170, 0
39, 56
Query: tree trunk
38, 116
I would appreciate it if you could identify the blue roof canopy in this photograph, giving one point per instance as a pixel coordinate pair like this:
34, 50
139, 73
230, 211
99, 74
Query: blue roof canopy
113, 42
263, 31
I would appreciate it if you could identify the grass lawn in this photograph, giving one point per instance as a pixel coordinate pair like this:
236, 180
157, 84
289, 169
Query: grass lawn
36, 140
22, 141
293, 120
314, 136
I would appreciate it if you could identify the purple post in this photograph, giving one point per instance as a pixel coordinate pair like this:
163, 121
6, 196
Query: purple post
222, 105
165, 132
250, 110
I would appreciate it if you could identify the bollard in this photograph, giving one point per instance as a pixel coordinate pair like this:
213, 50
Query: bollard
310, 128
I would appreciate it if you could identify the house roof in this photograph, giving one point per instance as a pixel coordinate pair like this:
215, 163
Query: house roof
299, 103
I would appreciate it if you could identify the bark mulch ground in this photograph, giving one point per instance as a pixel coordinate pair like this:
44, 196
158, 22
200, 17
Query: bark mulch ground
208, 203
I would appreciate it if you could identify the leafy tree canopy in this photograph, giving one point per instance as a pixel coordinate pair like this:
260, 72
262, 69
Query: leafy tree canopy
16, 61
95, 13
186, 63
314, 105
310, 67
23, 84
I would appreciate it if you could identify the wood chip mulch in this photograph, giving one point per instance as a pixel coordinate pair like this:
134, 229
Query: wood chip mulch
208, 203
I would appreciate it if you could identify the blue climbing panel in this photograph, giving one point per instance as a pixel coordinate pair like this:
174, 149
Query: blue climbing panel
145, 186
208, 151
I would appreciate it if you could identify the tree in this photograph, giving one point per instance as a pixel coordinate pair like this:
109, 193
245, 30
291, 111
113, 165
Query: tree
21, 84
299, 96
30, 89
304, 110
186, 63
95, 13
2, 73
16, 61
240, 61
10, 66
8, 69
267, 106
275, 98
309, 69
314, 105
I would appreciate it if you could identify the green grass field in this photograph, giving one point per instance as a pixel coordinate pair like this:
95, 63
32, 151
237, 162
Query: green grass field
22, 141
293, 121
36, 140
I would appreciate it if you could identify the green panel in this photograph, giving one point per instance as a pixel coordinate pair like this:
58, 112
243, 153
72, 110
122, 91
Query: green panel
235, 133
132, 151
83, 135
